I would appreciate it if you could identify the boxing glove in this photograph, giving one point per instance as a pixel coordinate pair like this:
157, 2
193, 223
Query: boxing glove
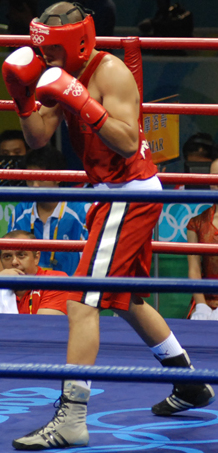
57, 86
21, 71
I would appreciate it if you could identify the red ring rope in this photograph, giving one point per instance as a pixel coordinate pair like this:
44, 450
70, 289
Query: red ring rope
81, 176
78, 246
117, 42
180, 109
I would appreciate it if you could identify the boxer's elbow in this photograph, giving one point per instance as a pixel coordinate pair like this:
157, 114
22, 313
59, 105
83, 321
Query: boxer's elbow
131, 148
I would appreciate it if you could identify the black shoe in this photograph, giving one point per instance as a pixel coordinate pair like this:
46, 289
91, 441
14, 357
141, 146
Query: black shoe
184, 397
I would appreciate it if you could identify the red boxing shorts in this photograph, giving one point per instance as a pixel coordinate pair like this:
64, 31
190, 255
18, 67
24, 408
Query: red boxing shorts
119, 245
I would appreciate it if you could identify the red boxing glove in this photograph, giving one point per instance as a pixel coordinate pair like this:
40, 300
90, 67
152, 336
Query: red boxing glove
56, 85
21, 71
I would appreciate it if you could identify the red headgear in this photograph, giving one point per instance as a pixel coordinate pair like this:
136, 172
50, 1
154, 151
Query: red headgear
77, 39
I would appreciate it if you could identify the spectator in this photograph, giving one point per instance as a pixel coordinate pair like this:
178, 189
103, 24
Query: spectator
12, 143
198, 153
51, 220
104, 15
203, 228
22, 262
20, 13
169, 20
199, 147
13, 150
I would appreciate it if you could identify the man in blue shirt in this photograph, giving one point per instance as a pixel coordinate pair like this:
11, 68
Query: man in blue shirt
51, 220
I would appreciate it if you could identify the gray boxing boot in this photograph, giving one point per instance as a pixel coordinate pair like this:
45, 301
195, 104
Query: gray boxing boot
68, 426
183, 396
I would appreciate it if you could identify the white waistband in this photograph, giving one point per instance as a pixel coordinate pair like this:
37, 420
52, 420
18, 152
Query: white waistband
144, 184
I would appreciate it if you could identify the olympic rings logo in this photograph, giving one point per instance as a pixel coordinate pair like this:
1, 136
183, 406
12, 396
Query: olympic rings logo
77, 91
38, 39
174, 219
75, 88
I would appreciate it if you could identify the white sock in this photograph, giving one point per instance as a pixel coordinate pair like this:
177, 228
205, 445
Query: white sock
168, 348
84, 384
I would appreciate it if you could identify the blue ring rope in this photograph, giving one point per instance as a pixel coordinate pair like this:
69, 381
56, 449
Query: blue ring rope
61, 194
111, 284
107, 373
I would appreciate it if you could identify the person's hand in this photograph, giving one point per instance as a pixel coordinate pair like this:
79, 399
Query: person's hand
57, 86
21, 72
13, 272
202, 312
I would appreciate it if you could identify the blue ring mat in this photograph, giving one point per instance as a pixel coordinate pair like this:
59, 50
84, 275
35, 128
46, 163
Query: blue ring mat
119, 417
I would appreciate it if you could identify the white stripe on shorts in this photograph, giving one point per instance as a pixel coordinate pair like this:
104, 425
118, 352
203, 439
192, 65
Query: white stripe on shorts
106, 249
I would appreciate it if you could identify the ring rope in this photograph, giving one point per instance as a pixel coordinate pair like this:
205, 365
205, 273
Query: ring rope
44, 245
160, 43
81, 176
9, 105
183, 248
118, 42
60, 245
107, 373
62, 194
181, 109
184, 178
111, 284
46, 175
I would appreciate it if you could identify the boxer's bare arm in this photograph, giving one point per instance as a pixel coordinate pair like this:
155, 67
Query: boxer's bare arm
114, 86
39, 127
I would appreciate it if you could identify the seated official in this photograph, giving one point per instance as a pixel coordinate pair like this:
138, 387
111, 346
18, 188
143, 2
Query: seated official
23, 262
203, 228
51, 220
